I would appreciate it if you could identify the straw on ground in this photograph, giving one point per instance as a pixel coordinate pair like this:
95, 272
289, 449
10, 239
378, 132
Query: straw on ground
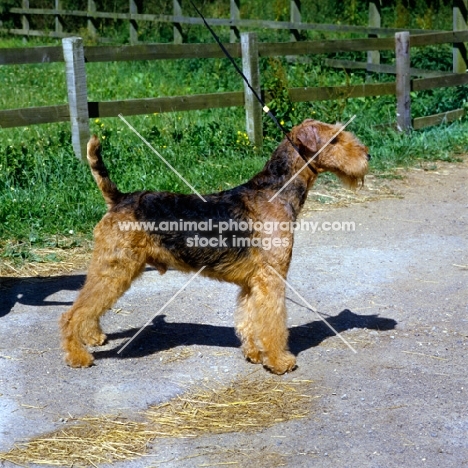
244, 405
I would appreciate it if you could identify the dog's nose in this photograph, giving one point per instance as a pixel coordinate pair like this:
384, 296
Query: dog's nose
368, 157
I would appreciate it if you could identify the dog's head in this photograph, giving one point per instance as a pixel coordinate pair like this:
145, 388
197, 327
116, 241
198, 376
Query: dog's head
329, 148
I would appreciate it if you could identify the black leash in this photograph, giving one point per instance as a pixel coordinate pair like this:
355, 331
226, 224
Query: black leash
265, 108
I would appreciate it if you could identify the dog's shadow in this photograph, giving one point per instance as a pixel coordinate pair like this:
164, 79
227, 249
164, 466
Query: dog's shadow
162, 336
34, 291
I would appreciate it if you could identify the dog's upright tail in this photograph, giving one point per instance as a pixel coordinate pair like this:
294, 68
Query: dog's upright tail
112, 195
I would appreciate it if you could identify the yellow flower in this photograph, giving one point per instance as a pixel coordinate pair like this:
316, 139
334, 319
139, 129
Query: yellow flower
103, 137
282, 122
97, 121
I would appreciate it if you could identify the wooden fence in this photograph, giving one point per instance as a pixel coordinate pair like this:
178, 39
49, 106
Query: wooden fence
235, 23
79, 110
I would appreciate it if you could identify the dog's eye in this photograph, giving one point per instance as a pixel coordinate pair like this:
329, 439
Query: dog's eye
334, 141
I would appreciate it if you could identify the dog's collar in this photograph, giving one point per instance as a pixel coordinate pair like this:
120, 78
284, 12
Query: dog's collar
298, 151
308, 162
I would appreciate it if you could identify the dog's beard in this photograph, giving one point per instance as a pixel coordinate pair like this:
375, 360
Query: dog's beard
351, 182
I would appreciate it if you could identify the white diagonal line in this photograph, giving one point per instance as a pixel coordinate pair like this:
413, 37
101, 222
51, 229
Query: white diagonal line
161, 309
315, 155
160, 157
316, 311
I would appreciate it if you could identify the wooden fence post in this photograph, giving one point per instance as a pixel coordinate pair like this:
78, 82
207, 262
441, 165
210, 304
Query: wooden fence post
75, 70
460, 19
235, 15
178, 36
373, 56
250, 68
25, 19
92, 30
296, 17
133, 26
403, 81
58, 18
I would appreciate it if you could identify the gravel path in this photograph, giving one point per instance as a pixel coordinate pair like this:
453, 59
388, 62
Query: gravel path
396, 289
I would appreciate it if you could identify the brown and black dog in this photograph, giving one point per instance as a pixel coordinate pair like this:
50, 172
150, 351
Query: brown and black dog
183, 232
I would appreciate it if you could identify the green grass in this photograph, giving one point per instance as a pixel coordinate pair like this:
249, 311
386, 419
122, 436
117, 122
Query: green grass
47, 194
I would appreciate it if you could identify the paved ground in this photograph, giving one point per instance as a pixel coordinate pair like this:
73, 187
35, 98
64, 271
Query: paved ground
396, 289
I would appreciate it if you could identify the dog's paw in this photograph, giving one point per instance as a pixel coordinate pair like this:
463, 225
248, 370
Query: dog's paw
95, 339
252, 354
254, 358
79, 359
280, 364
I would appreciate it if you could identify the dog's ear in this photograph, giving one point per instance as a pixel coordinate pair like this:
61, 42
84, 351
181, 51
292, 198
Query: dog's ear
307, 136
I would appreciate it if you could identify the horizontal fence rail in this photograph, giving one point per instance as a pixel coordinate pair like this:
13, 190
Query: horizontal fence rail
64, 112
49, 54
196, 21
234, 22
379, 68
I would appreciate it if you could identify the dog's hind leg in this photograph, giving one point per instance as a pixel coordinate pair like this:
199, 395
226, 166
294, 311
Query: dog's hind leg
112, 270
